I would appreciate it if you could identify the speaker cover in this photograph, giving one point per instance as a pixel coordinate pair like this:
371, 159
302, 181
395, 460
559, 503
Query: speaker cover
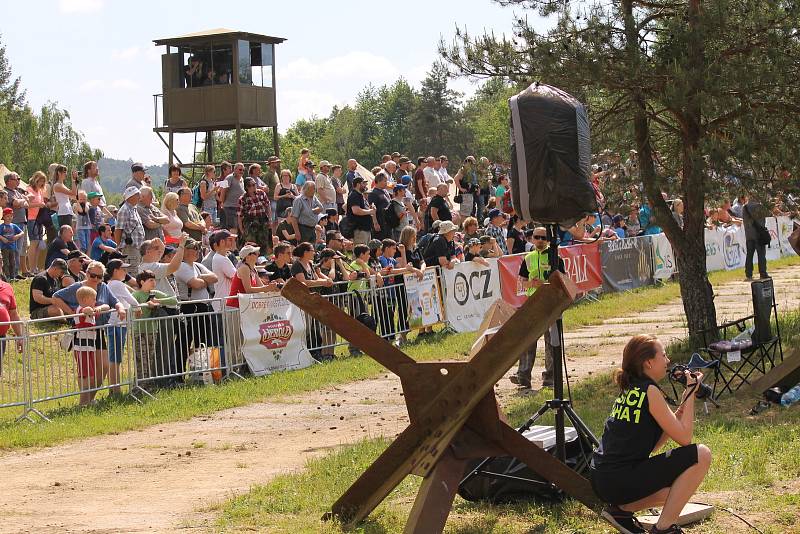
550, 156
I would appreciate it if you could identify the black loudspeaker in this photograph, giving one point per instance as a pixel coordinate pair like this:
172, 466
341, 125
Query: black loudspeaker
763, 295
550, 156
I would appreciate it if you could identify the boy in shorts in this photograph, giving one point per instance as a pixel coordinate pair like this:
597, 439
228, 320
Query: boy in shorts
84, 344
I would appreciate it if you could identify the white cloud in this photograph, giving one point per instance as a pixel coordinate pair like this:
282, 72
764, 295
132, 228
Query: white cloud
80, 6
90, 85
124, 83
125, 53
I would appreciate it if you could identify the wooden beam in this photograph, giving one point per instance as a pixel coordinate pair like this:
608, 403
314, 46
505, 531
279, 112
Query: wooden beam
435, 496
421, 445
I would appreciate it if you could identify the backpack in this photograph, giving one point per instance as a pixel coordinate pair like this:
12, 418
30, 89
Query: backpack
347, 226
197, 198
390, 215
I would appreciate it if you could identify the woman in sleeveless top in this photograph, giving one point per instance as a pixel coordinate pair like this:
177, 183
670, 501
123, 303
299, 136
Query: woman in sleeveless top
624, 474
37, 202
247, 279
174, 227
285, 194
64, 195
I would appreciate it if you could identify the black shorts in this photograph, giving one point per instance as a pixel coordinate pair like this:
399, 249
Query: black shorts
101, 339
627, 484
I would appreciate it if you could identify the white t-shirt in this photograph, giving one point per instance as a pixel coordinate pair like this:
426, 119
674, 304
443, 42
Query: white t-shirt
91, 184
444, 177
122, 291
431, 176
185, 273
225, 271
162, 282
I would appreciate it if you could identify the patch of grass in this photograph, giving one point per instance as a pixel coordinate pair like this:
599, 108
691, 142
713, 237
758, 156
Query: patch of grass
753, 457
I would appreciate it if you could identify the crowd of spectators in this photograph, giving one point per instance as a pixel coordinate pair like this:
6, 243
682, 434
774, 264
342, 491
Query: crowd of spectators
240, 229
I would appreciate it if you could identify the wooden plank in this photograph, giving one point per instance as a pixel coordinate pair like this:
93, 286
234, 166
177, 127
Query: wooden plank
422, 444
548, 467
691, 513
356, 333
786, 374
435, 497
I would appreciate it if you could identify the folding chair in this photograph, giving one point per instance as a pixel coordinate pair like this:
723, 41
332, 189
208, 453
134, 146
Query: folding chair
736, 360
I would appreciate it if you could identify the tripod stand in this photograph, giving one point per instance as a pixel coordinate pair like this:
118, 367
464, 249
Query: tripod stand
561, 407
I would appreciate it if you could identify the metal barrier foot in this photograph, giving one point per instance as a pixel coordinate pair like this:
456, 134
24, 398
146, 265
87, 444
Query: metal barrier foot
138, 388
27, 416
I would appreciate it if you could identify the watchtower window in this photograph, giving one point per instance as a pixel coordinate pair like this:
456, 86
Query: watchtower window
255, 63
206, 65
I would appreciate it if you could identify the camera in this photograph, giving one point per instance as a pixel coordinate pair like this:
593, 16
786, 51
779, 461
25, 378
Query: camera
361, 274
677, 373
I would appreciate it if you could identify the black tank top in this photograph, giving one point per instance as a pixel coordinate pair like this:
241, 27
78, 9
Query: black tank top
630, 431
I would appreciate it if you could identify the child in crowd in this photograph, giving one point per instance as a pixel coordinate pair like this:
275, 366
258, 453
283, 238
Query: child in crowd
209, 222
84, 227
146, 332
84, 344
10, 233
473, 252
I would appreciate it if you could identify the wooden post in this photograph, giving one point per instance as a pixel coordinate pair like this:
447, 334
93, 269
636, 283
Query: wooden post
210, 147
171, 148
238, 142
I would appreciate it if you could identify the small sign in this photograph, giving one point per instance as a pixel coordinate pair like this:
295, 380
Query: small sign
734, 356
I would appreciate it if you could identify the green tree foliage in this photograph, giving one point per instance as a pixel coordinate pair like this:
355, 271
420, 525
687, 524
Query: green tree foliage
699, 88
437, 120
31, 141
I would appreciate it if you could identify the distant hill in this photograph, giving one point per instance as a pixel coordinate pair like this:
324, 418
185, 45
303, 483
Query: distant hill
115, 173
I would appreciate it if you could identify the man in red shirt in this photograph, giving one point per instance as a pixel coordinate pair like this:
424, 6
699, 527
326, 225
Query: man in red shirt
420, 183
8, 312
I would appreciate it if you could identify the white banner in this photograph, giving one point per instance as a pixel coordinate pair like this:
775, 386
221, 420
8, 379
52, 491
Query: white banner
663, 258
274, 334
471, 289
774, 248
715, 260
785, 229
424, 299
734, 248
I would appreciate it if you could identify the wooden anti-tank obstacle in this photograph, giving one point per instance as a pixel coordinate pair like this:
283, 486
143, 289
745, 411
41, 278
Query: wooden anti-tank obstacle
454, 415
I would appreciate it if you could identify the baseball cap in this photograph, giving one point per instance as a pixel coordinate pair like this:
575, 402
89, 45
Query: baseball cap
136, 167
115, 264
328, 253
309, 163
395, 154
192, 244
324, 163
358, 179
116, 255
130, 192
247, 250
322, 216
374, 244
75, 255
494, 213
219, 235
474, 242
400, 187
403, 160
93, 194
332, 212
405, 179
273, 159
8, 211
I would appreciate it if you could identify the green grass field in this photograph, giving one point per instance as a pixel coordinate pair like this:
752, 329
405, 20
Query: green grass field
70, 422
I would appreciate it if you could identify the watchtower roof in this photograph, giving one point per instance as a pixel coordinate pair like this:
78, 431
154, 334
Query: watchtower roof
216, 34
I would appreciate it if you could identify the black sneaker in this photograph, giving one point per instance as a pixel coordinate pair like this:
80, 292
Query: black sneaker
674, 529
623, 521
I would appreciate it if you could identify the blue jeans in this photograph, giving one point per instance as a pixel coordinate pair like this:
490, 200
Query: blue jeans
83, 238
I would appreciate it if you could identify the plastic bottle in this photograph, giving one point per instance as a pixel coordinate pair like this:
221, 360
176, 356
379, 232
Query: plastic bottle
791, 396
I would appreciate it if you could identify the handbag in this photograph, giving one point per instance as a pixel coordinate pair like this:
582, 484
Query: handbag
458, 199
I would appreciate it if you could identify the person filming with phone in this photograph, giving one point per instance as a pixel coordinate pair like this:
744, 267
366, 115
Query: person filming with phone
624, 474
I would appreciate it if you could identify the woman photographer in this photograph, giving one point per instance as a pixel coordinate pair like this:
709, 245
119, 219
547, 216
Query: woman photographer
624, 475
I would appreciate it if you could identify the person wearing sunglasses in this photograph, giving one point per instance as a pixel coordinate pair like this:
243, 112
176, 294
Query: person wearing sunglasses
67, 300
534, 272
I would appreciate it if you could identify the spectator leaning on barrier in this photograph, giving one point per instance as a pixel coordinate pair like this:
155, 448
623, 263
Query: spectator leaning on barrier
534, 272
129, 232
221, 265
147, 334
194, 281
43, 286
280, 270
495, 229
152, 218
438, 251
116, 274
247, 279
305, 211
9, 313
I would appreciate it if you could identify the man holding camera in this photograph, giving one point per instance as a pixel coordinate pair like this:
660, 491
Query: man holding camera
129, 232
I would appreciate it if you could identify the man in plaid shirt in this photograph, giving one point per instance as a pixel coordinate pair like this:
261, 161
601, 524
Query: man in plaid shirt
254, 216
129, 232
495, 229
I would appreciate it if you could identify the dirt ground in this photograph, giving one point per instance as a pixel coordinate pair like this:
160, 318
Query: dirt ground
166, 478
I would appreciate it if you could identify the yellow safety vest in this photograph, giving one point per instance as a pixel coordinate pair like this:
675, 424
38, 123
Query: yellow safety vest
538, 264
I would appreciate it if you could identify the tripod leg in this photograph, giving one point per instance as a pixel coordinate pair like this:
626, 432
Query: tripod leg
435, 497
581, 426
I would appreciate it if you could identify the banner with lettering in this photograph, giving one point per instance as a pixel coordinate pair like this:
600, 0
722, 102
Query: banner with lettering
627, 263
785, 229
734, 246
663, 258
715, 258
582, 265
471, 289
774, 247
274, 333
424, 299
511, 288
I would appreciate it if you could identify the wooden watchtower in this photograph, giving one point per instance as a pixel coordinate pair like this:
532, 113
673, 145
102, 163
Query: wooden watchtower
215, 80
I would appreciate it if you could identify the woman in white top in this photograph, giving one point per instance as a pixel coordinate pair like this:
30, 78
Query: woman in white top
117, 329
174, 227
64, 195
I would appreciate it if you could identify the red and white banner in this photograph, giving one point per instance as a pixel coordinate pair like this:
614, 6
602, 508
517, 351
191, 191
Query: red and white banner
581, 263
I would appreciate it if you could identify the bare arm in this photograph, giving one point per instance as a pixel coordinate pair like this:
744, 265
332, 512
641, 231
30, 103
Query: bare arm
39, 298
176, 261
679, 427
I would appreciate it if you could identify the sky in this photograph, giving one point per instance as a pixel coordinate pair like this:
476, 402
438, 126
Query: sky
96, 58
